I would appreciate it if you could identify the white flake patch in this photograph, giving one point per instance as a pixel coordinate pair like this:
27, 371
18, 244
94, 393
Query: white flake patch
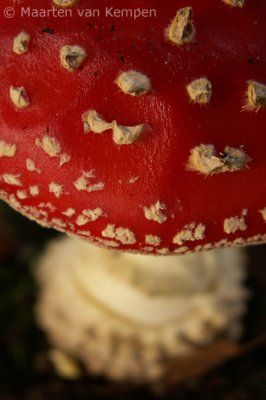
148, 249
6, 149
263, 213
63, 159
236, 223
72, 57
123, 235
200, 91
95, 187
207, 246
3, 194
59, 222
127, 134
190, 232
154, 212
133, 83
256, 239
65, 3
82, 220
255, 96
14, 202
239, 241
69, 212
50, 145
22, 194
89, 216
56, 189
44, 213
152, 240
33, 214
235, 3
163, 251
93, 214
19, 97
133, 179
21, 43
34, 190
34, 211
94, 122
11, 179
107, 243
83, 183
31, 166
48, 206
221, 243
84, 233
181, 250
204, 159
181, 30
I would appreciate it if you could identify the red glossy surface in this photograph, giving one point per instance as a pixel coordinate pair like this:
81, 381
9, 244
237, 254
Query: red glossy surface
229, 48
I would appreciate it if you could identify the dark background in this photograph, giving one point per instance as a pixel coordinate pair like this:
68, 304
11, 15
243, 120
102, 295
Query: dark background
27, 374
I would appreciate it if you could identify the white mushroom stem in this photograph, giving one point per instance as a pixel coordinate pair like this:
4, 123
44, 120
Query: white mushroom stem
126, 315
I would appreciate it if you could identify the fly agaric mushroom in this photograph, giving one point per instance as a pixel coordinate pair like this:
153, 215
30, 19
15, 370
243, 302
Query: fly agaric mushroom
136, 134
140, 142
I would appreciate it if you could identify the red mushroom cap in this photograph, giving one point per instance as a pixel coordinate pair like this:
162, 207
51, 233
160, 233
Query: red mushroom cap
138, 128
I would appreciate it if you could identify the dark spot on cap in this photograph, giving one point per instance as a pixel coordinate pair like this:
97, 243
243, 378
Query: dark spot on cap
112, 28
48, 30
120, 56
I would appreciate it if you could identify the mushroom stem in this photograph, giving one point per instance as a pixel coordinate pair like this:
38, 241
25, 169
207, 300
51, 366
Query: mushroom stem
126, 315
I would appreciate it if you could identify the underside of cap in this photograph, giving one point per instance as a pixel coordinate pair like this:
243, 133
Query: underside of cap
126, 316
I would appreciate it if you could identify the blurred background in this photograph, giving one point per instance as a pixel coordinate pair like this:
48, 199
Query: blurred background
26, 372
